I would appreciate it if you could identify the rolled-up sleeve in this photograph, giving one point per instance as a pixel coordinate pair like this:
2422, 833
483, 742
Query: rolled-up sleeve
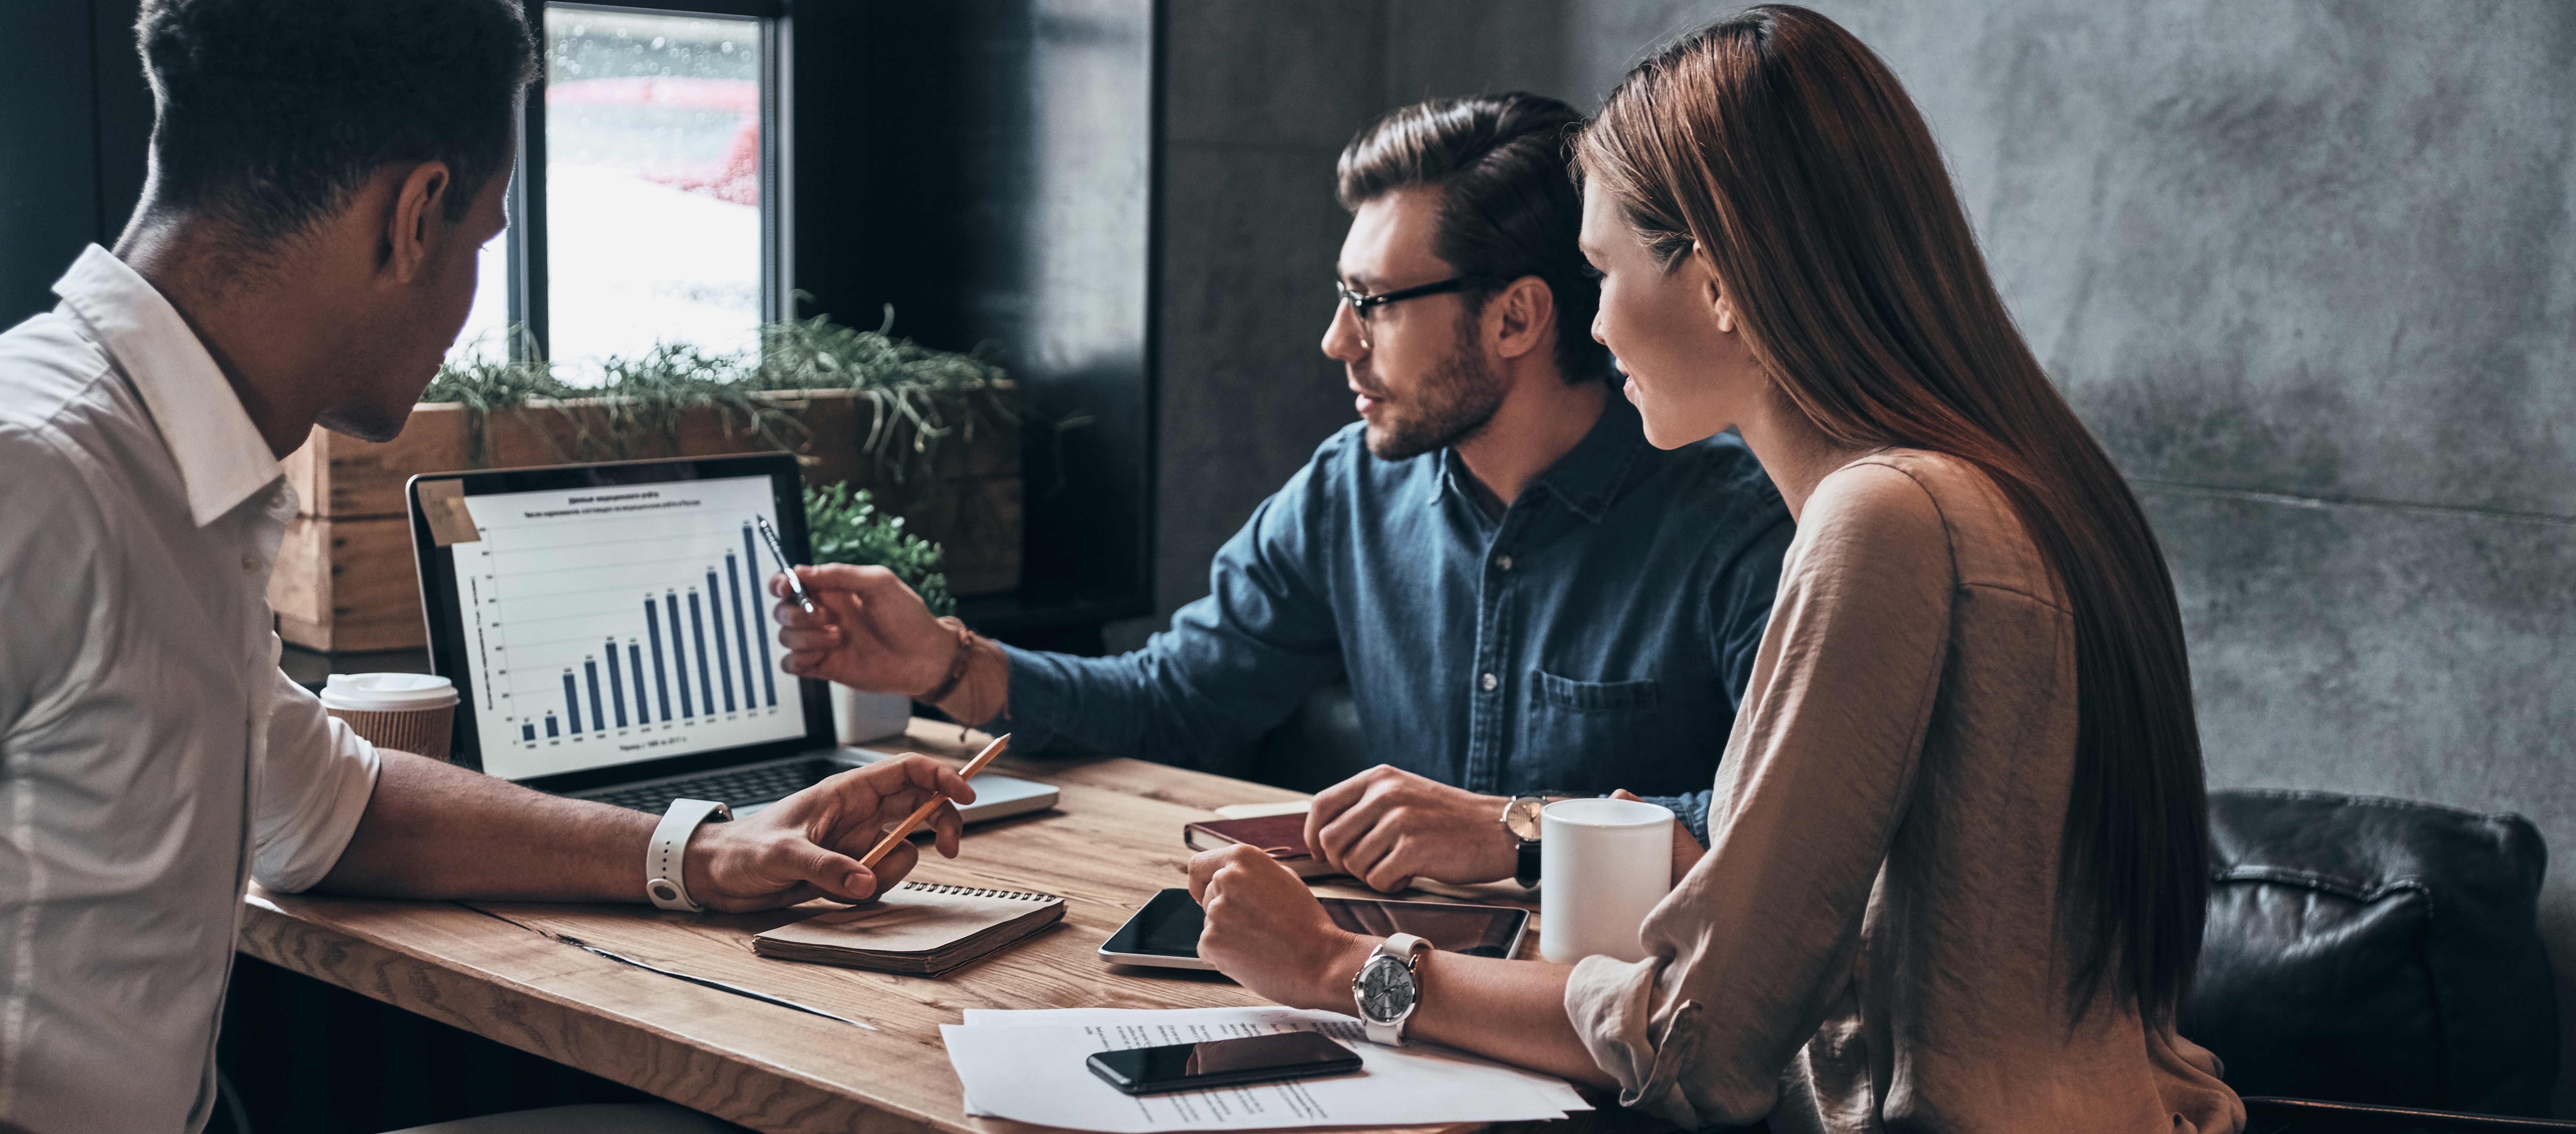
315, 781
1754, 948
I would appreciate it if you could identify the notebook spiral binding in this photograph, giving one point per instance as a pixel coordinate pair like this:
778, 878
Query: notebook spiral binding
973, 892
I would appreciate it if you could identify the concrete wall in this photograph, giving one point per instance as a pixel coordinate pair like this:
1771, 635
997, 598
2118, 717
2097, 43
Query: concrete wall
2308, 270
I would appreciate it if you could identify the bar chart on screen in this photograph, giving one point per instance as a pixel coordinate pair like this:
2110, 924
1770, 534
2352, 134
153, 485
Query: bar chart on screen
608, 625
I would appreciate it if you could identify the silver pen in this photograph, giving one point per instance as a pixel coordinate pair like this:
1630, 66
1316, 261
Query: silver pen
770, 534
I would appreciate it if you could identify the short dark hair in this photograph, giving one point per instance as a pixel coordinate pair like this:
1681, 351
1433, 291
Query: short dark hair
271, 113
1508, 208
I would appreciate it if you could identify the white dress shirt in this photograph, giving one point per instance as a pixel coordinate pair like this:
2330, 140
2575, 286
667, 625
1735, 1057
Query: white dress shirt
152, 755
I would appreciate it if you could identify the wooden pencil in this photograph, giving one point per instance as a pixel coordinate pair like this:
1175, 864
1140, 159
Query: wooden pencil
919, 814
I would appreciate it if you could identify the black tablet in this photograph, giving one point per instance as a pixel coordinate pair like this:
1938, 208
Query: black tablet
1165, 933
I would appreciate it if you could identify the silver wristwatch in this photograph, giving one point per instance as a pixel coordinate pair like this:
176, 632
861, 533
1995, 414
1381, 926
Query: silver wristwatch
1387, 989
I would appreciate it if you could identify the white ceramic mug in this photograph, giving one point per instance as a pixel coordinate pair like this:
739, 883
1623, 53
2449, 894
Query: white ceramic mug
1603, 863
860, 716
409, 712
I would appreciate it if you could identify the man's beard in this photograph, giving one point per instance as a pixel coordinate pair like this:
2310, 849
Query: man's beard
1451, 404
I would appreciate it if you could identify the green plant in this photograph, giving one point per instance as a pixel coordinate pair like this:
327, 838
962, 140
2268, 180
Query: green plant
845, 526
484, 386
920, 399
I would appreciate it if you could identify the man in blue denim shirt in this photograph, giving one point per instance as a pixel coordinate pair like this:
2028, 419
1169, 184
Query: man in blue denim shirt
1526, 596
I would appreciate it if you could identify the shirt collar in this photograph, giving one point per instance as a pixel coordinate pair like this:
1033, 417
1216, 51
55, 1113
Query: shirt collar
222, 458
1590, 477
1587, 478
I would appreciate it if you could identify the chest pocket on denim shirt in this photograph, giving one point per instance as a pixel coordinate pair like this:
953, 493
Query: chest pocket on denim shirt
1597, 696
1598, 735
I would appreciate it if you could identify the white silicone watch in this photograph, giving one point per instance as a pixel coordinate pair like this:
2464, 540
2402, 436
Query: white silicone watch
665, 861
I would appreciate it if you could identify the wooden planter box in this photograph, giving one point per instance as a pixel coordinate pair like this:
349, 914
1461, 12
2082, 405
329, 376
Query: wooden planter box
345, 578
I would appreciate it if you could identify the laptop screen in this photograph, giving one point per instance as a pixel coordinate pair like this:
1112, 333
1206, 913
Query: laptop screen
596, 625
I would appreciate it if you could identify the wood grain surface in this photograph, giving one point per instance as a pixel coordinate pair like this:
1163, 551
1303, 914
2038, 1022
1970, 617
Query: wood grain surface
504, 970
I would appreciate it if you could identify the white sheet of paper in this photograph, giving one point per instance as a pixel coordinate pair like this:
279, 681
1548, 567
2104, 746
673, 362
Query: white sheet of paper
1557, 1090
1028, 1066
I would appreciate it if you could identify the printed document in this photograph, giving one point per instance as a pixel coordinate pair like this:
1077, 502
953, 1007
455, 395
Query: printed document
1028, 1066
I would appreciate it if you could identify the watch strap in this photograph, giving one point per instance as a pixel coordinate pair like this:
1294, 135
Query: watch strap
1525, 871
666, 857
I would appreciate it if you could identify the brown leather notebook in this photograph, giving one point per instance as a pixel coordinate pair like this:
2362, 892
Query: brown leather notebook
1282, 836
916, 928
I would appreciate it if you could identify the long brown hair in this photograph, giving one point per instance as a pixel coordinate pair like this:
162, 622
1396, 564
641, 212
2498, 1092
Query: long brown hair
1781, 149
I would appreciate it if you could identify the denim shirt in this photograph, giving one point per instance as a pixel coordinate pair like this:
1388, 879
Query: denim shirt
1598, 635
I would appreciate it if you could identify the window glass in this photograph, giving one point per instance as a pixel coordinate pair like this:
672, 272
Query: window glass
653, 204
487, 324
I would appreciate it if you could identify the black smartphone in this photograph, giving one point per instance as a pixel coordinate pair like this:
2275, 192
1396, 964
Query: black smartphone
1223, 1063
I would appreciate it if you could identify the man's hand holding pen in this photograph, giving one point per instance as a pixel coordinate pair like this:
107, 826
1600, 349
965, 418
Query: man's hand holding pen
808, 844
871, 631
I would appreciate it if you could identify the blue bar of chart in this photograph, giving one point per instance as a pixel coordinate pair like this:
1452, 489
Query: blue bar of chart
550, 725
751, 563
528, 732
616, 686
661, 681
698, 630
741, 637
635, 661
572, 704
679, 651
724, 661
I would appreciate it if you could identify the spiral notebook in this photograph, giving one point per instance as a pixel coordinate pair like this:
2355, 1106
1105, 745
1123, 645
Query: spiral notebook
917, 928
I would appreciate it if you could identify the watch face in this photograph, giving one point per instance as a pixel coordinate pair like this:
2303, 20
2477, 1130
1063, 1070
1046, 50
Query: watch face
1386, 990
1522, 818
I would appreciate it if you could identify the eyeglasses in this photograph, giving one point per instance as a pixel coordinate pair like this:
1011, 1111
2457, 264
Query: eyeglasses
1361, 305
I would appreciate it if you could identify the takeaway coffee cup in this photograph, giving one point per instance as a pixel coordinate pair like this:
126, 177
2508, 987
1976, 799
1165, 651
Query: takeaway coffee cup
1603, 863
412, 712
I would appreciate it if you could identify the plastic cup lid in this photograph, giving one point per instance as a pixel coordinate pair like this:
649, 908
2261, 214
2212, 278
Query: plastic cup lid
383, 692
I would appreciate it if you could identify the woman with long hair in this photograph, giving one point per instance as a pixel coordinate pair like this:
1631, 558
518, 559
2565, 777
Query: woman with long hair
1957, 861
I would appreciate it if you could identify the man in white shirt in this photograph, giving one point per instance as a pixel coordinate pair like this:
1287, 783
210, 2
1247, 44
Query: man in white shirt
323, 174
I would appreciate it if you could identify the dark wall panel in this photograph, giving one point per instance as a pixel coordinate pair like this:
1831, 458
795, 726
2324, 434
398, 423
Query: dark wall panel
124, 114
72, 140
983, 166
48, 151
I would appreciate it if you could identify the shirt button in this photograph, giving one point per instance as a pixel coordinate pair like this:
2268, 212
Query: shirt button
1502, 563
1489, 683
250, 565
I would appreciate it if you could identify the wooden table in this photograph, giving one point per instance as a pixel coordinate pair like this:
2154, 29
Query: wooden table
1113, 841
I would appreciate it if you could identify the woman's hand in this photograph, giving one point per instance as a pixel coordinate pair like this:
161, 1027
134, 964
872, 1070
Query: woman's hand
1265, 929
807, 845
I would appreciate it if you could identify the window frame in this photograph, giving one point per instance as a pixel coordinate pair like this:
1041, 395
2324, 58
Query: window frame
527, 306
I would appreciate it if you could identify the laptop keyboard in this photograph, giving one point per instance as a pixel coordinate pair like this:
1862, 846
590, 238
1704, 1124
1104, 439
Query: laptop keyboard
736, 786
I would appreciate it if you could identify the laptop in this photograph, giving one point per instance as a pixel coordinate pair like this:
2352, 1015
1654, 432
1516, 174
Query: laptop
609, 634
